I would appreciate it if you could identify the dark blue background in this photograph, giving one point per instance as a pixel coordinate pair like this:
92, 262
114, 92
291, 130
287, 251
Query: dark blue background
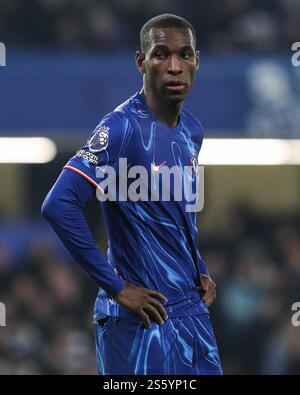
42, 91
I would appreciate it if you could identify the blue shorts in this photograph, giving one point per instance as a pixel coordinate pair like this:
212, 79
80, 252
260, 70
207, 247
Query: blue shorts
183, 345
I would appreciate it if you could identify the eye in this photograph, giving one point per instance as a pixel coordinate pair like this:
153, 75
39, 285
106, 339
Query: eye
187, 55
161, 55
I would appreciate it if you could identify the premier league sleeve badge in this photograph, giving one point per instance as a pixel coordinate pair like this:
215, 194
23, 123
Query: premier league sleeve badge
99, 140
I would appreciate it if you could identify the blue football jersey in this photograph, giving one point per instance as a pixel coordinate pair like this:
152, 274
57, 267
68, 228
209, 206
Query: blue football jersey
152, 240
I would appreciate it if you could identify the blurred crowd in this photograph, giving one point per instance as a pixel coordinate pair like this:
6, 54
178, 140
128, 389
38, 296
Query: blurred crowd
225, 25
254, 260
49, 308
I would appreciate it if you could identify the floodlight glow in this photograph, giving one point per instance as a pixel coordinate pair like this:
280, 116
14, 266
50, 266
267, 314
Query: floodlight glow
250, 152
26, 150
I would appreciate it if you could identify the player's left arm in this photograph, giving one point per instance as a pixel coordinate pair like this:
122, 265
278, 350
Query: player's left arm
207, 287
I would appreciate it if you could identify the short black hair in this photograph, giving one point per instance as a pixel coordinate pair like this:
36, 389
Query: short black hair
163, 21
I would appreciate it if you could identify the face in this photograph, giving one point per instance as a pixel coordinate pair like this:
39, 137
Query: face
170, 63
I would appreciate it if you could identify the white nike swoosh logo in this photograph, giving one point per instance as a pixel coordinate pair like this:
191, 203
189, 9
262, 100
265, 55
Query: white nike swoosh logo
157, 167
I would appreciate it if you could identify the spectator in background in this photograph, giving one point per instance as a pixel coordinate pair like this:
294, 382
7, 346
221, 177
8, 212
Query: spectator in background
260, 266
32, 294
222, 26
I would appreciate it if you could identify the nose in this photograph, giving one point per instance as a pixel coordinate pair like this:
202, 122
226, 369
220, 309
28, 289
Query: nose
175, 66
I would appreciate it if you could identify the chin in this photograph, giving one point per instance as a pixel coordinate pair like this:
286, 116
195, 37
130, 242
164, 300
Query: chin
175, 98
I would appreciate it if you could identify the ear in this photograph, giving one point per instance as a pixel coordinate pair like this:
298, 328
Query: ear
197, 60
140, 61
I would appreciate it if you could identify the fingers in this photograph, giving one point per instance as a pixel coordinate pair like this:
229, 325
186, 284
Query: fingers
201, 291
207, 290
146, 319
210, 301
204, 283
157, 312
143, 301
154, 314
209, 298
157, 294
160, 309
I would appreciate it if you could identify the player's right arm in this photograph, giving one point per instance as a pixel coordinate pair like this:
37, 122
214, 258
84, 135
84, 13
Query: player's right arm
64, 209
143, 302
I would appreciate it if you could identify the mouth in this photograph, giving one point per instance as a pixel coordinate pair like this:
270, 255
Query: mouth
175, 85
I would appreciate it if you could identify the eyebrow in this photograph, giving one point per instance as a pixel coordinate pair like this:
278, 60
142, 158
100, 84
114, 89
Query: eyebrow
163, 46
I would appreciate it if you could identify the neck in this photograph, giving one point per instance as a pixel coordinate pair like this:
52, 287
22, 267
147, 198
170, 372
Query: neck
166, 111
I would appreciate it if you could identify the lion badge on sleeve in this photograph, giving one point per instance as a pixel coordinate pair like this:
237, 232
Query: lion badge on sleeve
99, 140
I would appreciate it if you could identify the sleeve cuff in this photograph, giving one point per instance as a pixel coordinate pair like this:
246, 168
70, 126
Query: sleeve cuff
116, 288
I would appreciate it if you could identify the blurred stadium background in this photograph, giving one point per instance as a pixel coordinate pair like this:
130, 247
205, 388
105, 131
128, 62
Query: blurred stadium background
68, 64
